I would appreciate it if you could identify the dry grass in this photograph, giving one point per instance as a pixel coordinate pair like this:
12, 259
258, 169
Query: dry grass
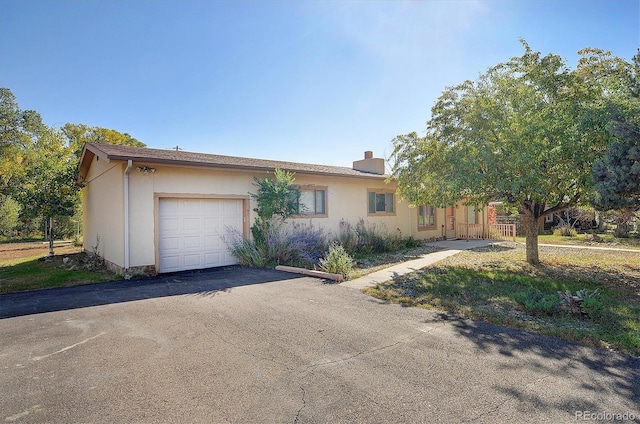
495, 284
26, 266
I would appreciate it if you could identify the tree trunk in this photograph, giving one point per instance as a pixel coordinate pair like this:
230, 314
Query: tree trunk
600, 221
622, 228
622, 222
50, 236
530, 223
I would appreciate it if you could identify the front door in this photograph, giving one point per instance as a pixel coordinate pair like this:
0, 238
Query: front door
451, 222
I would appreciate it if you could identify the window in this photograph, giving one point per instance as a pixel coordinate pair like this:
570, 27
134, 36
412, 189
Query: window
426, 217
312, 201
472, 215
381, 202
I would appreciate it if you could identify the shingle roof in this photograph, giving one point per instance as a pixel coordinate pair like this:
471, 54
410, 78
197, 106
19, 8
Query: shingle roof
180, 157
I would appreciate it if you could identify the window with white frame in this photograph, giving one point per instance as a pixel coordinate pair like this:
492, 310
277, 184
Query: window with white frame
381, 202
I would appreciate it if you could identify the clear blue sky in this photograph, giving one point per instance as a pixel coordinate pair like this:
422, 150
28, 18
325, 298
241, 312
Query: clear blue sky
304, 81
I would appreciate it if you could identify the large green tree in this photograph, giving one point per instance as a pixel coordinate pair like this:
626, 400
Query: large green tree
526, 132
38, 163
79, 134
18, 132
617, 174
47, 189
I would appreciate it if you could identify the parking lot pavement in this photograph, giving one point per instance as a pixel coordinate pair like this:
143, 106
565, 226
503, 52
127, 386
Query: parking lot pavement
271, 347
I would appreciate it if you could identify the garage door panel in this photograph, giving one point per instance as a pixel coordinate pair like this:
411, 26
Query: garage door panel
190, 232
230, 207
171, 243
212, 208
192, 242
192, 260
191, 224
171, 262
170, 224
169, 206
230, 221
212, 241
191, 207
213, 259
229, 259
211, 224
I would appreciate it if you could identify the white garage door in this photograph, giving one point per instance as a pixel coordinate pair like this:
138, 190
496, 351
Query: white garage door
191, 232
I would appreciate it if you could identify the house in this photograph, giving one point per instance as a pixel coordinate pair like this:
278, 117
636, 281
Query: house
154, 211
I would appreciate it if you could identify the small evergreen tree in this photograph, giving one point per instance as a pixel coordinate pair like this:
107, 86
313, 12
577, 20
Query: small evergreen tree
276, 197
617, 176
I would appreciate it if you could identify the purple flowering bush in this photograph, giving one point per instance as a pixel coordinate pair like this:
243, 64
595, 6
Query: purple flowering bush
280, 244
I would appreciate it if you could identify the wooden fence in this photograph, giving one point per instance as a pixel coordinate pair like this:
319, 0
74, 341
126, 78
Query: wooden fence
480, 231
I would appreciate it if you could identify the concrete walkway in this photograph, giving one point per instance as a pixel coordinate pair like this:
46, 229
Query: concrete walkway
451, 247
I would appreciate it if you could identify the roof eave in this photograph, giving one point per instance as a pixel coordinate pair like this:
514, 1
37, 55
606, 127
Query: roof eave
239, 167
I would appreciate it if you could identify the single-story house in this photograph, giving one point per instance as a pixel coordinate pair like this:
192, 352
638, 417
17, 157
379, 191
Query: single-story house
152, 210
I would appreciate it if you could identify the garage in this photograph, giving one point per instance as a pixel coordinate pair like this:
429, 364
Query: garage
191, 232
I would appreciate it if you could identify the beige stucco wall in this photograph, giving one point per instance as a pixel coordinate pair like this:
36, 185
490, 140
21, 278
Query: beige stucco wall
103, 210
347, 199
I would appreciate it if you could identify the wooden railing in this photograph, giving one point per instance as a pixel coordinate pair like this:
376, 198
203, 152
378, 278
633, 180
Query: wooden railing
502, 232
469, 231
480, 231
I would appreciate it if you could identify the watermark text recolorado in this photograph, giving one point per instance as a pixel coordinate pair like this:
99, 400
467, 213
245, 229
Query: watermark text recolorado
605, 416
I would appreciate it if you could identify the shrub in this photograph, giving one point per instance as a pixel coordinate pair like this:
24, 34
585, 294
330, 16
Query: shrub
584, 302
565, 231
367, 238
276, 243
347, 237
244, 250
296, 244
593, 308
337, 261
309, 243
537, 303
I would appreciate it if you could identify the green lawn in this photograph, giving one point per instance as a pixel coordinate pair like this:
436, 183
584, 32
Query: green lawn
495, 284
33, 272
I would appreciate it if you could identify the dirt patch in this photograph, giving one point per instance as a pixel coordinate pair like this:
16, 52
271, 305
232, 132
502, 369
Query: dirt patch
28, 250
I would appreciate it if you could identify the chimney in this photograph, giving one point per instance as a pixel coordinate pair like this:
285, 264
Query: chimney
369, 164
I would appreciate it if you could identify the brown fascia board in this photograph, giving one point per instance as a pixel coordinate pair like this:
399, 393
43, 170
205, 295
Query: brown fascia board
287, 166
88, 153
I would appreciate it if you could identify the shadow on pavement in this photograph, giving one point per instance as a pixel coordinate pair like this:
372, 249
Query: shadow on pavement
201, 282
619, 373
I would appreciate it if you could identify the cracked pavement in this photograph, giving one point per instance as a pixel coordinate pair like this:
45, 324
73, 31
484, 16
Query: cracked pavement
259, 346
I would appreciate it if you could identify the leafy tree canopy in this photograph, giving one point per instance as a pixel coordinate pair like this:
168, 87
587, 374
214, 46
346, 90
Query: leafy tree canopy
526, 132
18, 132
38, 164
276, 196
79, 134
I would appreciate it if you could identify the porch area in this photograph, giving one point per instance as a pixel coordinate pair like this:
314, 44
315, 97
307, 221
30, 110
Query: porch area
466, 231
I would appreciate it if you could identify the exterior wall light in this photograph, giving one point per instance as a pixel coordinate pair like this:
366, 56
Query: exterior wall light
145, 169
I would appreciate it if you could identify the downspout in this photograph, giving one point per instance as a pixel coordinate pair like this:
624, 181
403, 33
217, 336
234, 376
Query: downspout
126, 214
411, 221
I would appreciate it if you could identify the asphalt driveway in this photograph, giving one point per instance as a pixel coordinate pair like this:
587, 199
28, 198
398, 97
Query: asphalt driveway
242, 345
